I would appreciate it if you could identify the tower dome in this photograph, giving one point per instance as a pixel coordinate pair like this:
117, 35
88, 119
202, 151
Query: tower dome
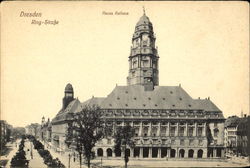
68, 88
143, 20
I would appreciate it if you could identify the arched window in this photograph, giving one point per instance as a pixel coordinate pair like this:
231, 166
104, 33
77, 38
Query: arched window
191, 153
118, 152
99, 152
172, 153
200, 153
109, 152
181, 153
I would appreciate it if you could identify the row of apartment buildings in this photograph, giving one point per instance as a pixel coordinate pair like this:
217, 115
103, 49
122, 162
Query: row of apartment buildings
5, 133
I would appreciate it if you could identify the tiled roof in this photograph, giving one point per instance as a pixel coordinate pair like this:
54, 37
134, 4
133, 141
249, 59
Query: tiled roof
206, 104
93, 101
73, 107
162, 97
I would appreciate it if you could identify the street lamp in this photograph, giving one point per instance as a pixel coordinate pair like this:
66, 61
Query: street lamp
69, 160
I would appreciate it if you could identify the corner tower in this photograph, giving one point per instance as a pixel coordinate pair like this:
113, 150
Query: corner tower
143, 59
68, 95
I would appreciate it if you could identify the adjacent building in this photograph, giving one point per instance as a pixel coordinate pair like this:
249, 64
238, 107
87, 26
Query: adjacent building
237, 135
168, 122
33, 129
5, 133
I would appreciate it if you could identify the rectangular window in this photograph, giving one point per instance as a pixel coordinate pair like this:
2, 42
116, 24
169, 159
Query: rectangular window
190, 131
154, 131
172, 131
181, 131
163, 131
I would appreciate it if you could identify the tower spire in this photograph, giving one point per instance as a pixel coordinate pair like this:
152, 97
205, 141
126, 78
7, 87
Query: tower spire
144, 13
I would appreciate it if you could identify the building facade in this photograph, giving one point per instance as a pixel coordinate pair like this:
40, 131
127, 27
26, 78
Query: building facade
168, 122
5, 133
33, 129
237, 135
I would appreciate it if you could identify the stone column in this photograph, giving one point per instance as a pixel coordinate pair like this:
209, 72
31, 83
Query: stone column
168, 152
104, 152
140, 129
204, 153
150, 152
159, 152
150, 129
214, 152
141, 152
177, 153
195, 129
186, 153
186, 130
168, 129
177, 129
205, 129
159, 129
195, 153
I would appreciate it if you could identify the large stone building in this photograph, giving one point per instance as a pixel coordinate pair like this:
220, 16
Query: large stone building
167, 121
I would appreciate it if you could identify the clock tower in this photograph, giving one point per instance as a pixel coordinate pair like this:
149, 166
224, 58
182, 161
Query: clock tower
68, 95
143, 59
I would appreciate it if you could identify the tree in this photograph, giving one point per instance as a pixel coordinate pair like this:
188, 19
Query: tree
124, 139
87, 127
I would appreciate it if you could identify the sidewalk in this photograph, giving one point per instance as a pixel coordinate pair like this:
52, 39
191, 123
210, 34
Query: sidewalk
15, 147
64, 158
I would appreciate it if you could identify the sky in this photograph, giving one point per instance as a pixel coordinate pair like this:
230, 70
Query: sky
204, 46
